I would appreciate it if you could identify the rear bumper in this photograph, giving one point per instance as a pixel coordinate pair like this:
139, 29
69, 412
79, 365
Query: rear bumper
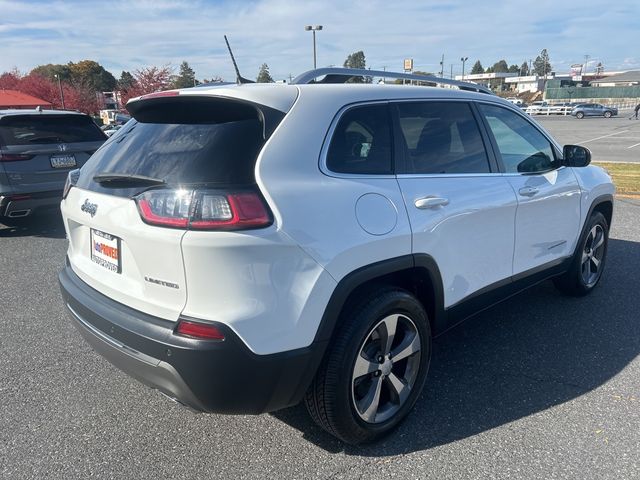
21, 205
211, 376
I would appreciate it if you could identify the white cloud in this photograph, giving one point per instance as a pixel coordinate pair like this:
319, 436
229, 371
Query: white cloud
125, 35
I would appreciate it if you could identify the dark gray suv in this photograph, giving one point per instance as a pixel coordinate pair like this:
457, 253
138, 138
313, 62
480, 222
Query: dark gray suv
37, 150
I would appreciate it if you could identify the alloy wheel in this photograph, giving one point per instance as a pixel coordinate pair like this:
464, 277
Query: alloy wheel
593, 255
386, 368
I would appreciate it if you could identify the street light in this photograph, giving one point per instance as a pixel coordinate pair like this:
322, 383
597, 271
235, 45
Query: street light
314, 29
60, 87
463, 60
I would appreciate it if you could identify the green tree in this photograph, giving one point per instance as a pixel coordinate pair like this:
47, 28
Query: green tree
524, 69
477, 68
541, 65
126, 81
357, 60
50, 70
514, 69
263, 75
186, 77
91, 76
500, 67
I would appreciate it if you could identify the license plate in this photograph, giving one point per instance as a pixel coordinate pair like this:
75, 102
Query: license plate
105, 250
63, 161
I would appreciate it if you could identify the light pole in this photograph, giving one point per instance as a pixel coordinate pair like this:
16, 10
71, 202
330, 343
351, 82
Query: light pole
463, 60
314, 29
60, 87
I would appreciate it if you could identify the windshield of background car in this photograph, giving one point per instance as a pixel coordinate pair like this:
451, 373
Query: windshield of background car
46, 129
202, 149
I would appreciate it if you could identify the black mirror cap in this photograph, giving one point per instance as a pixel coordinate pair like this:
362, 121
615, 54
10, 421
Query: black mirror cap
576, 156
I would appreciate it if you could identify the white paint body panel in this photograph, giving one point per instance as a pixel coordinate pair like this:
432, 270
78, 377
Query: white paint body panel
145, 251
548, 222
472, 238
260, 283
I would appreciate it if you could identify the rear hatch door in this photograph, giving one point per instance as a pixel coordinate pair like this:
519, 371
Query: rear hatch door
171, 144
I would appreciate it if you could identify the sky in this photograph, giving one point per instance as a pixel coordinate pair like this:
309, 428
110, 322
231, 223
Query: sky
133, 34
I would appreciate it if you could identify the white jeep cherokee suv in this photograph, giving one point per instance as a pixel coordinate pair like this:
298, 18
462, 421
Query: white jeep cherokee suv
242, 248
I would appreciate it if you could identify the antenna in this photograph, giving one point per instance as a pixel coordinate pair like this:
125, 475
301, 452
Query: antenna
239, 77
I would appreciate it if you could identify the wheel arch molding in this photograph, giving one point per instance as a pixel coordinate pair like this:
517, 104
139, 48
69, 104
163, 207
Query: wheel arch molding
417, 273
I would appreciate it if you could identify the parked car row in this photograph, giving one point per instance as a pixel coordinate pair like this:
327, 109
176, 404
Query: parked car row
578, 110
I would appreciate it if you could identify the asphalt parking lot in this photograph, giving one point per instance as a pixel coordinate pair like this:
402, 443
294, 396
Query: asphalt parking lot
615, 139
540, 386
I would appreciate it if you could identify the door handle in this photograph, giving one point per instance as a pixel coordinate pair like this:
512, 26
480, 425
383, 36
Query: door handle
528, 191
430, 202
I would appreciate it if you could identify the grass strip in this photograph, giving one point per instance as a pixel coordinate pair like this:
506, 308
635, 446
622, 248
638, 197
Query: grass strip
626, 176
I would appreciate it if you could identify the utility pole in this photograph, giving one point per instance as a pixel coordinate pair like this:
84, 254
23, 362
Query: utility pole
60, 87
451, 74
442, 67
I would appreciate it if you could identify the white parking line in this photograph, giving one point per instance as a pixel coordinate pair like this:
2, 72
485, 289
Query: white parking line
603, 136
633, 145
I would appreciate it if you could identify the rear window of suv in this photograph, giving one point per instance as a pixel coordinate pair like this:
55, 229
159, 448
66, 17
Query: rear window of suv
209, 144
47, 129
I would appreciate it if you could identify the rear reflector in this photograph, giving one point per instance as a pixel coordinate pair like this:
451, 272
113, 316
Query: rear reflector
204, 331
12, 157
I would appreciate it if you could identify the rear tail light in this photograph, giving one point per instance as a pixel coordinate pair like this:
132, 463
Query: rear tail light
205, 331
72, 179
204, 209
13, 157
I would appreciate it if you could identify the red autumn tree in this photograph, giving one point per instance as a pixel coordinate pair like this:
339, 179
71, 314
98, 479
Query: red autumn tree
147, 80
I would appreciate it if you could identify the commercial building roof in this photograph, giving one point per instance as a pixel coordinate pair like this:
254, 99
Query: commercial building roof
626, 78
15, 99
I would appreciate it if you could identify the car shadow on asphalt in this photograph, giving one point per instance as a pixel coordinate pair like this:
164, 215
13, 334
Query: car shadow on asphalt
46, 224
530, 353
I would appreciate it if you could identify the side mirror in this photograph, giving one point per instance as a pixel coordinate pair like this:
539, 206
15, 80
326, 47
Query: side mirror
576, 156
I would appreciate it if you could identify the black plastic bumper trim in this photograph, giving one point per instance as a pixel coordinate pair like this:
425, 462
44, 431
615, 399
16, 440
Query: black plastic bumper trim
220, 377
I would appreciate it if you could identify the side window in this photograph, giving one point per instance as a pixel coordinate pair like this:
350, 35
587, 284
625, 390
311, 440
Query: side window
441, 137
522, 147
361, 142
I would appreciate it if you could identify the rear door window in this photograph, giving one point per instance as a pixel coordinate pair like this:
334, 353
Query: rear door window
43, 129
441, 138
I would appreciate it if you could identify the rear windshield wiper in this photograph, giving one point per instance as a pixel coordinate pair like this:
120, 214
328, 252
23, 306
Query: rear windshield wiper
126, 179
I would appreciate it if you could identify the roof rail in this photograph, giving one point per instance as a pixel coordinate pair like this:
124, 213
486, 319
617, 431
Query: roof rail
341, 75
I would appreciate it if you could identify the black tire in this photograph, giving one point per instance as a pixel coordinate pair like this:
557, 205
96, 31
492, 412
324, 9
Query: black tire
332, 396
607, 114
580, 115
574, 282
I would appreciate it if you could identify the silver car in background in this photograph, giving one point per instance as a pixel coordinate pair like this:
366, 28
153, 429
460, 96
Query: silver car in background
593, 110
37, 150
